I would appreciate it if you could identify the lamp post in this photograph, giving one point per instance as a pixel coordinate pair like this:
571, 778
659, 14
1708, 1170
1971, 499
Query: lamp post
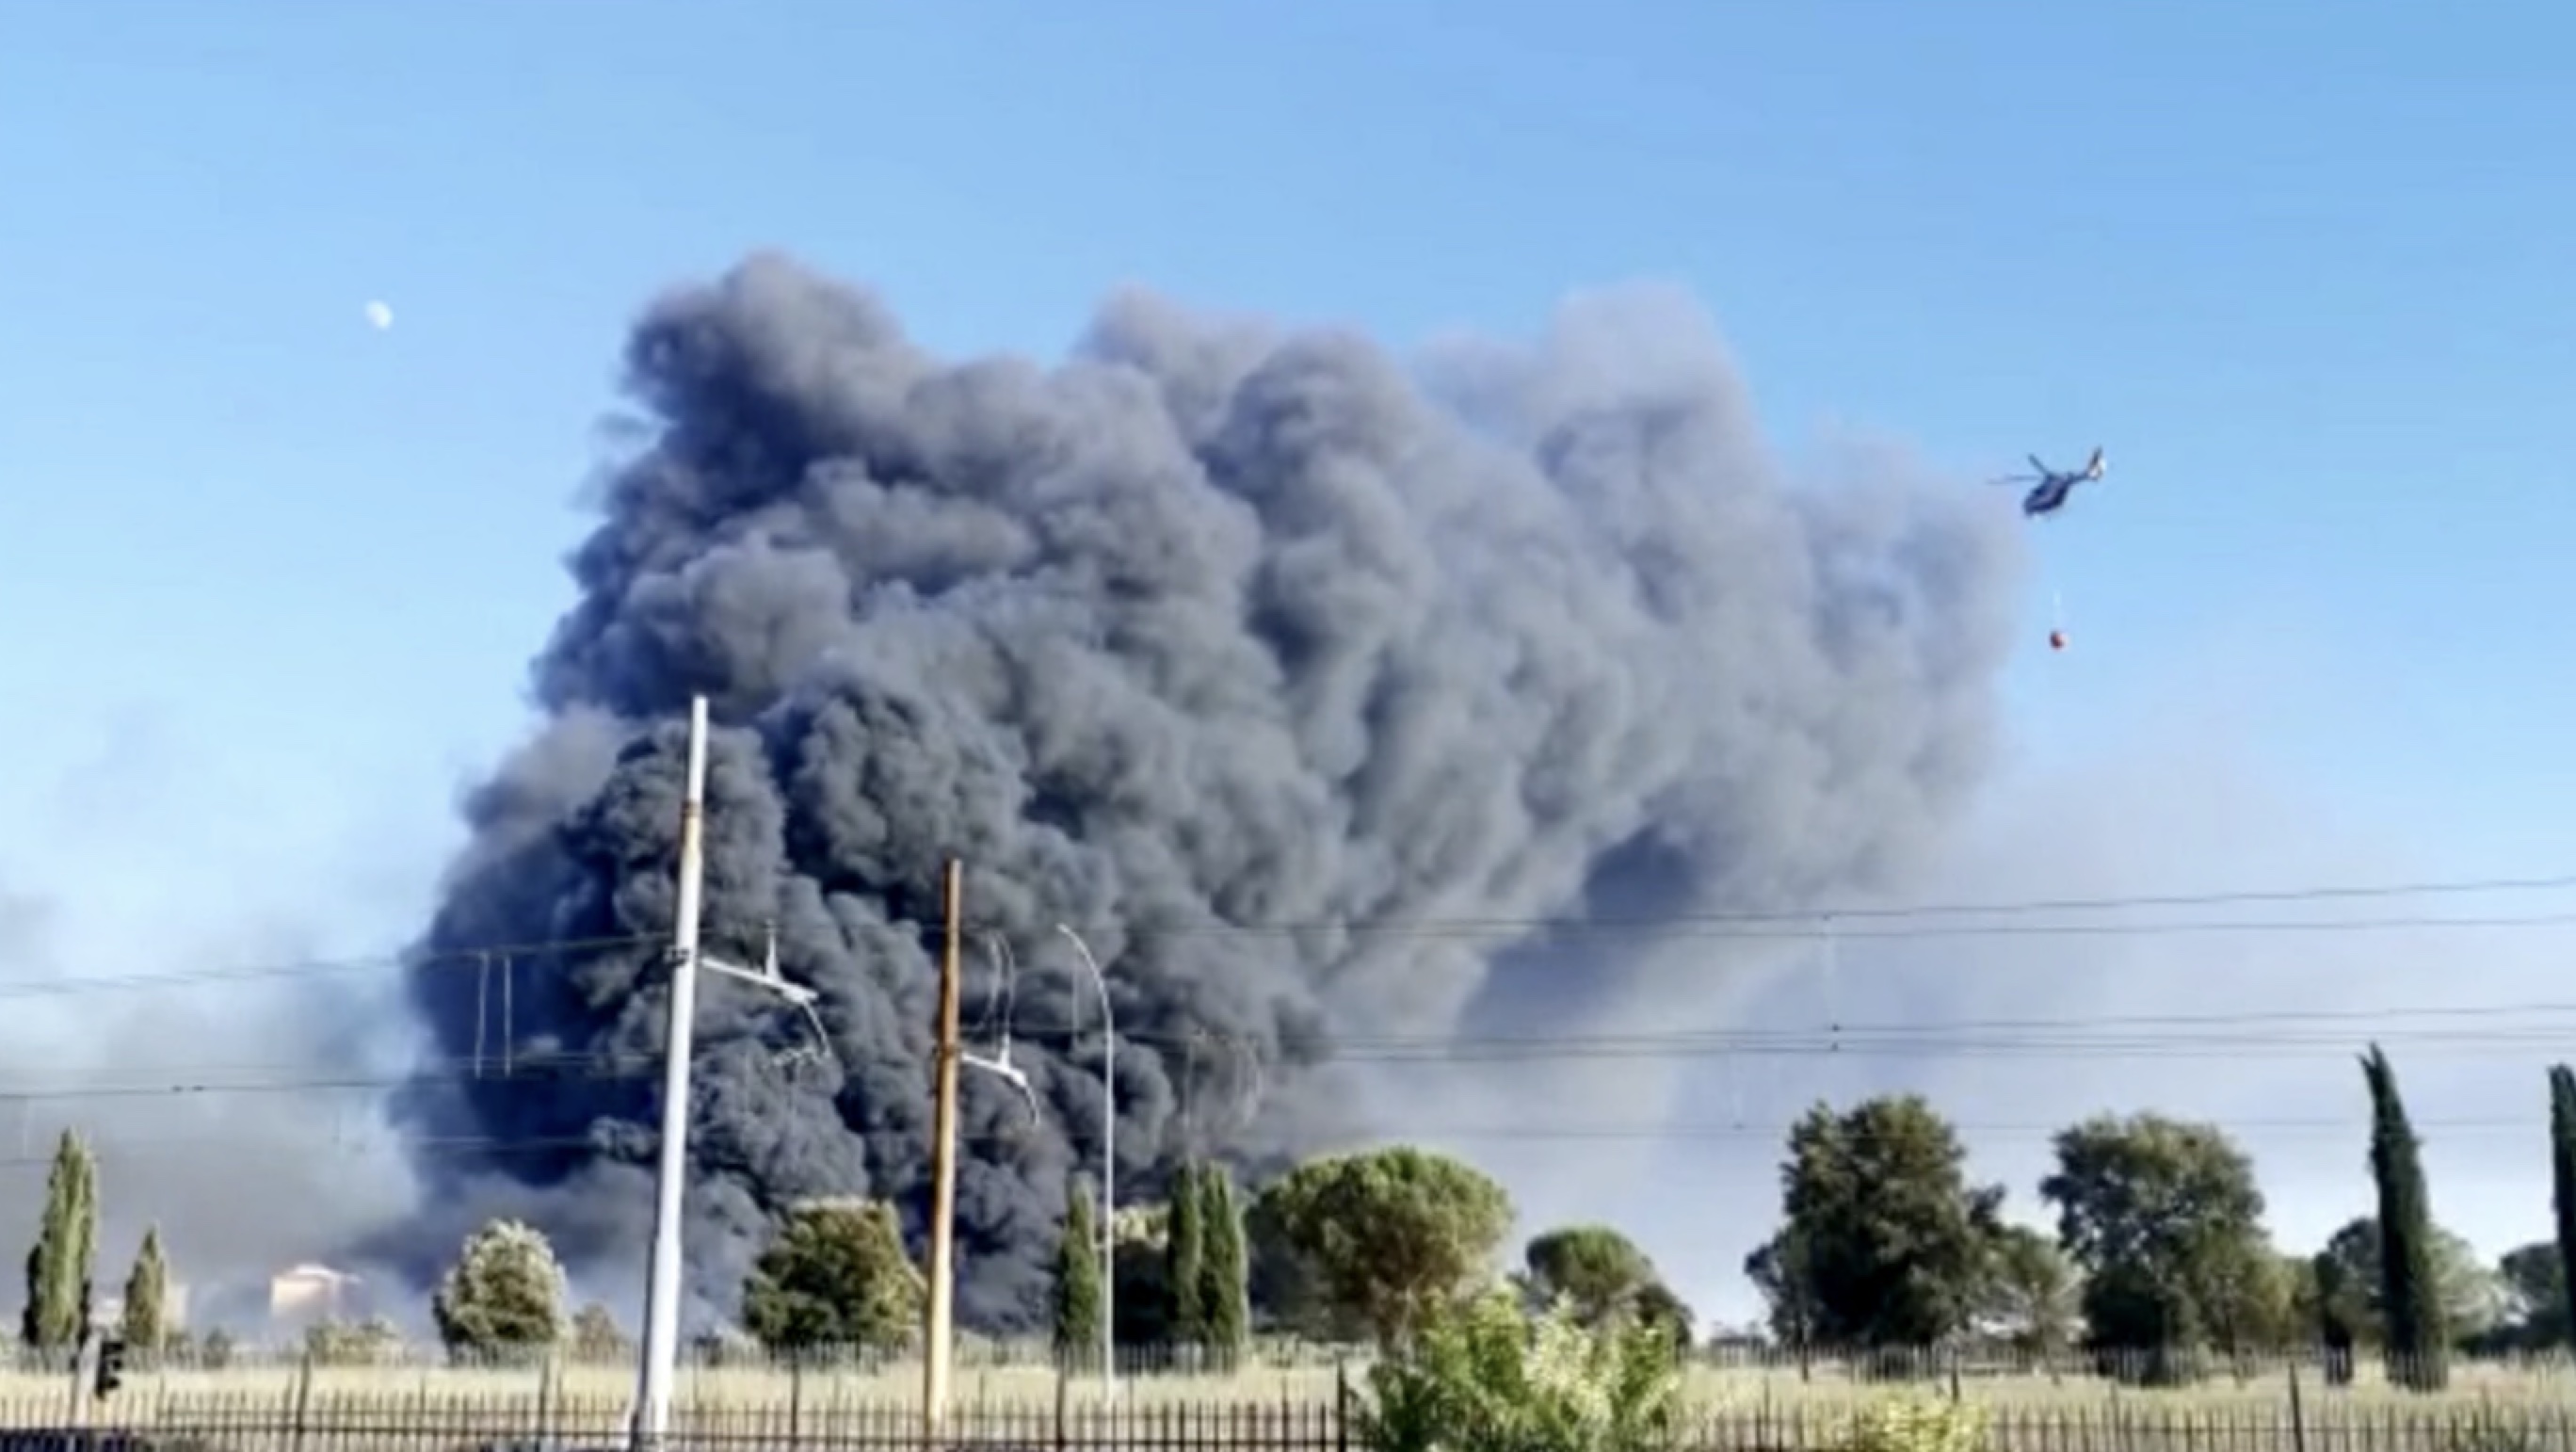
1108, 1168
659, 1353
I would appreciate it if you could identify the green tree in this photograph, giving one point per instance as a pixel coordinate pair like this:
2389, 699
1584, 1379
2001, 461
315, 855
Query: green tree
835, 1276
1287, 1291
2247, 1295
1184, 1257
1657, 1308
1392, 1234
59, 1266
2297, 1277
1138, 1235
1224, 1270
2473, 1299
1895, 1239
2336, 1299
1778, 1269
2029, 1300
146, 1320
504, 1296
371, 1342
1593, 1267
2562, 1176
2534, 1281
596, 1337
2418, 1342
2165, 1222
1077, 1283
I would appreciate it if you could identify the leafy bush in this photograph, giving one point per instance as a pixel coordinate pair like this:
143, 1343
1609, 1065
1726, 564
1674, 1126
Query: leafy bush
375, 1341
1914, 1424
1486, 1376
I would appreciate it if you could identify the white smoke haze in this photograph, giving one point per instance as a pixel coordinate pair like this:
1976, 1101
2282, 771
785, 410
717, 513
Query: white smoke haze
1223, 623
2160, 1019
192, 1012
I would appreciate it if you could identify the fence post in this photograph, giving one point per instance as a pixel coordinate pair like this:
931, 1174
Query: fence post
546, 1388
795, 1396
2298, 1412
1341, 1405
303, 1400
1063, 1393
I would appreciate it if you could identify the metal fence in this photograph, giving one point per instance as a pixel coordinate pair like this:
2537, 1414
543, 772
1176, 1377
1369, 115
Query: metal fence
1270, 1403
433, 1424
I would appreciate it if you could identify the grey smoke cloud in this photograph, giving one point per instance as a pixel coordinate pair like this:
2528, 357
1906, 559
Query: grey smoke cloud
1211, 624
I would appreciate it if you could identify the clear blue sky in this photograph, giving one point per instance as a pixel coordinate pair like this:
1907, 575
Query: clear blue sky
2302, 269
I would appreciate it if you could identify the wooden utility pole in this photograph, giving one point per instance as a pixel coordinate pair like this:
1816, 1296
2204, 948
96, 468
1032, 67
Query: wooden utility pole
938, 1332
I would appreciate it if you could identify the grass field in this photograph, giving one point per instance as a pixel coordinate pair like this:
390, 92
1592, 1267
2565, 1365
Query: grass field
1288, 1403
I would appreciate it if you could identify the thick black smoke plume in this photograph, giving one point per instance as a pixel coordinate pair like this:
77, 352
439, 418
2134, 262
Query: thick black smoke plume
1207, 629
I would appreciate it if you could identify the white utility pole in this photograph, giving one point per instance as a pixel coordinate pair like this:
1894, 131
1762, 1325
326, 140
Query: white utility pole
661, 1349
1108, 1169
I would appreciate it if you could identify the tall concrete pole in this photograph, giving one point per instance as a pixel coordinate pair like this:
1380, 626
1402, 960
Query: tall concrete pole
661, 1351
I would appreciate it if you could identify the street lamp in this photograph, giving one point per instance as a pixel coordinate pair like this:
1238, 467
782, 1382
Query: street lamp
659, 1354
1108, 1169
1009, 1071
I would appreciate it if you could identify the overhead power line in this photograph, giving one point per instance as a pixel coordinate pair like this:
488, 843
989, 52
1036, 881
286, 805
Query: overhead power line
1879, 922
1772, 1133
2485, 1029
52, 986
1808, 920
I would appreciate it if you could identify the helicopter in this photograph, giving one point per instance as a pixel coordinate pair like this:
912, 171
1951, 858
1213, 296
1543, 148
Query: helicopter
2050, 488
2049, 491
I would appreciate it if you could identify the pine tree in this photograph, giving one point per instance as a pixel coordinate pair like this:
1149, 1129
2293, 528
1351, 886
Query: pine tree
1184, 1252
2562, 1174
58, 1267
147, 1296
1224, 1269
2410, 1291
1077, 1283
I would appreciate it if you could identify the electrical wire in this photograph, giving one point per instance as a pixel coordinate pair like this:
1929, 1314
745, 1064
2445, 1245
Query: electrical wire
58, 987
2231, 1035
2272, 1034
1897, 923
1849, 914
475, 1147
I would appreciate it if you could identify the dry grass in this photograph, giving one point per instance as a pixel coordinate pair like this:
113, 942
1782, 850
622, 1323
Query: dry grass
1296, 1382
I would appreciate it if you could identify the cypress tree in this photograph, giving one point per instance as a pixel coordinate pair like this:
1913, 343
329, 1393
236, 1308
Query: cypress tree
1077, 1283
2562, 1175
1225, 1296
1184, 1253
147, 1296
2410, 1291
58, 1267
